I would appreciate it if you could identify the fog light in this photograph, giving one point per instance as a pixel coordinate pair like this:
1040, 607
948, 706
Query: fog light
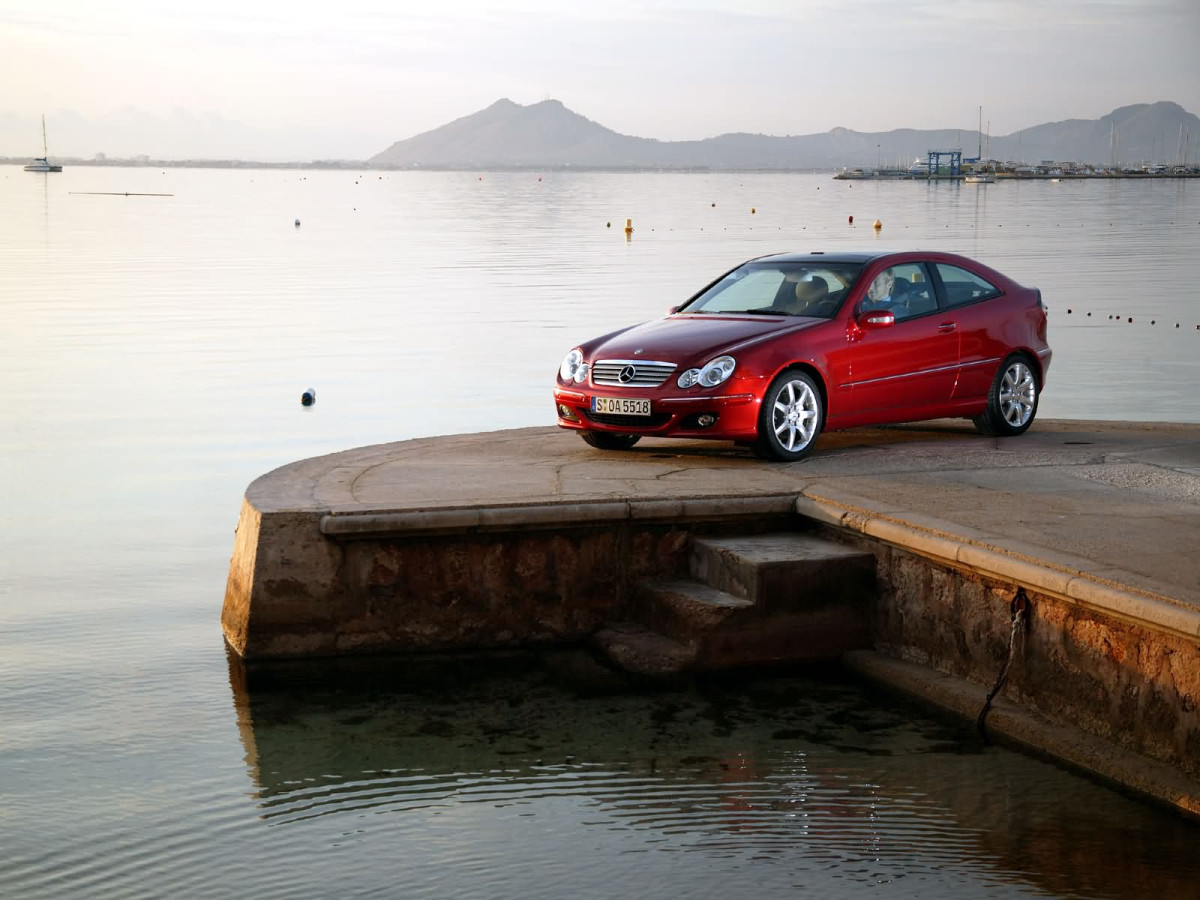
567, 413
705, 420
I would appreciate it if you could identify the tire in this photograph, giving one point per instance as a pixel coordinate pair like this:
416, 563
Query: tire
791, 418
1012, 399
606, 440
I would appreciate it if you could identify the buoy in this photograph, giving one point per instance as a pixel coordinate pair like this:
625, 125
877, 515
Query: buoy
1068, 310
1151, 321
1089, 315
309, 397
297, 223
539, 178
1130, 318
608, 224
629, 226
850, 219
752, 210
877, 225
713, 205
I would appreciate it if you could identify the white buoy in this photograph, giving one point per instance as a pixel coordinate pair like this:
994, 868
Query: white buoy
309, 397
297, 223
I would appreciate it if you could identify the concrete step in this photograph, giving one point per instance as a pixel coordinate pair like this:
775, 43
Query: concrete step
785, 573
755, 600
723, 631
686, 610
640, 651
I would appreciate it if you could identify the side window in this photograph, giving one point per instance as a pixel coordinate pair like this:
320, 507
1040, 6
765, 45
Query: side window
964, 287
904, 289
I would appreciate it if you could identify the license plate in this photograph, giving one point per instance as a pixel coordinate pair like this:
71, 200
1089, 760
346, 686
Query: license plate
621, 406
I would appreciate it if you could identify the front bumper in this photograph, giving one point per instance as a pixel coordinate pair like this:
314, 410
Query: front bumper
673, 412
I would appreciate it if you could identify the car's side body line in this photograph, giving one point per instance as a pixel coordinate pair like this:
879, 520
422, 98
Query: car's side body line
915, 374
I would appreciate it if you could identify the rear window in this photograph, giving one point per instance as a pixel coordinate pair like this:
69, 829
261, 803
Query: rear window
780, 289
964, 287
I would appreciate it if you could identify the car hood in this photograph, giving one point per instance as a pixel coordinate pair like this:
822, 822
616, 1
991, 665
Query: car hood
693, 338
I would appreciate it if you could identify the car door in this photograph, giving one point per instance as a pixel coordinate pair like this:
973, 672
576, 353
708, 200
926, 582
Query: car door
909, 365
972, 306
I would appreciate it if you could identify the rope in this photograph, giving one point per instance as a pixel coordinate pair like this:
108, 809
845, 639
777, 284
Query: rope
1019, 605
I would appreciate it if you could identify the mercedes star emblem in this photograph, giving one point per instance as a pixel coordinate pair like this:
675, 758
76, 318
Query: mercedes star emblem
627, 375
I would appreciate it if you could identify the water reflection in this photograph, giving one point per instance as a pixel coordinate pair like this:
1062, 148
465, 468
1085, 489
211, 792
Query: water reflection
814, 777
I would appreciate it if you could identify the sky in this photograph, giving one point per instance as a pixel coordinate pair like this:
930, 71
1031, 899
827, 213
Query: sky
301, 81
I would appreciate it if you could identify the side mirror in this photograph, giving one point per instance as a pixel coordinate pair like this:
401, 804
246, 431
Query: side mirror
876, 318
674, 309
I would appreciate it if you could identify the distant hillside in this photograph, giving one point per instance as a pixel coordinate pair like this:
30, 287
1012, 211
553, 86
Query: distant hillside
548, 135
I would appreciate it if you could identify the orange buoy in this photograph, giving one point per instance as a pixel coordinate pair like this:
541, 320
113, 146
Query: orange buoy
850, 219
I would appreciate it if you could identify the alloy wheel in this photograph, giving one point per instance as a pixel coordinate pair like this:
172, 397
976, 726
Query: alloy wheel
796, 415
1018, 393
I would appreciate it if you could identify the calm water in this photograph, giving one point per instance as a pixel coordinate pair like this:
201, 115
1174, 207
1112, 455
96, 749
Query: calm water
152, 354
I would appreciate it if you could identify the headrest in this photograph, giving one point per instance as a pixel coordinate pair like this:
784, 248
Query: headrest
810, 291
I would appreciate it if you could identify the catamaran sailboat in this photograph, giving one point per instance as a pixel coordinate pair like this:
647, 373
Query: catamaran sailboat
42, 163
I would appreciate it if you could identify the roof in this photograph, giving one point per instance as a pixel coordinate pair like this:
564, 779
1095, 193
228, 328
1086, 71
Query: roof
820, 256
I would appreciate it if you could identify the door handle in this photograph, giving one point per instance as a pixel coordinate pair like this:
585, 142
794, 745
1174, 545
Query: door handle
947, 327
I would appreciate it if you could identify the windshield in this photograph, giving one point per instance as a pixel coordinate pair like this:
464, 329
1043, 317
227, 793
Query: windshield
814, 289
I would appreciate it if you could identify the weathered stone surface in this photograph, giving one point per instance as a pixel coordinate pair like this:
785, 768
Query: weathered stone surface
785, 572
528, 537
1135, 686
639, 651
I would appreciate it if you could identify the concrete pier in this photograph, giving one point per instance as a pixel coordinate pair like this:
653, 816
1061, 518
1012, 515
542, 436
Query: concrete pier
530, 537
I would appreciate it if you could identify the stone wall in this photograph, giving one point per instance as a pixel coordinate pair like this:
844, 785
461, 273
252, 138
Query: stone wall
1133, 685
300, 585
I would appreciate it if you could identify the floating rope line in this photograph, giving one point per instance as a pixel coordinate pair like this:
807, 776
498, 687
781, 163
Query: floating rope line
1019, 605
118, 194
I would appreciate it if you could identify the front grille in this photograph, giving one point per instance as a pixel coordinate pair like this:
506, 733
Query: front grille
652, 421
646, 373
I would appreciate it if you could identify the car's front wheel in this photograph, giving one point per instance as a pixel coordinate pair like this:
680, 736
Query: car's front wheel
790, 419
606, 440
1012, 399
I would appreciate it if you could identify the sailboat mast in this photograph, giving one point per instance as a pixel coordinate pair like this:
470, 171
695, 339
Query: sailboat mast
978, 155
45, 149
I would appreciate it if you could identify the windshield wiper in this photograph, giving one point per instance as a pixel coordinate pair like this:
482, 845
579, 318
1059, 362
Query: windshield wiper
765, 311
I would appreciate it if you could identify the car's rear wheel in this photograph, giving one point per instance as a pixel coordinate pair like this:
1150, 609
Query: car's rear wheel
606, 440
1012, 399
790, 419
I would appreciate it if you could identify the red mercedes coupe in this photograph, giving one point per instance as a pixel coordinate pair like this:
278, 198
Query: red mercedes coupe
784, 347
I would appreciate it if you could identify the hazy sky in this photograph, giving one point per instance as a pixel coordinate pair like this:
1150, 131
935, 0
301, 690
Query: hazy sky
302, 80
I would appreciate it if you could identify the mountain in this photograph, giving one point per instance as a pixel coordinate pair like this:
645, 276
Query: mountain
548, 135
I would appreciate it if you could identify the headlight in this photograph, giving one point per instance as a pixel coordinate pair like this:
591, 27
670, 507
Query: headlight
711, 375
573, 368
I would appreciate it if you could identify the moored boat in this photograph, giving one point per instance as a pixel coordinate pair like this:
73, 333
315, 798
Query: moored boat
42, 163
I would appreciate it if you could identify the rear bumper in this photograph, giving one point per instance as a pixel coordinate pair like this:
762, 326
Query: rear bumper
1044, 361
735, 414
